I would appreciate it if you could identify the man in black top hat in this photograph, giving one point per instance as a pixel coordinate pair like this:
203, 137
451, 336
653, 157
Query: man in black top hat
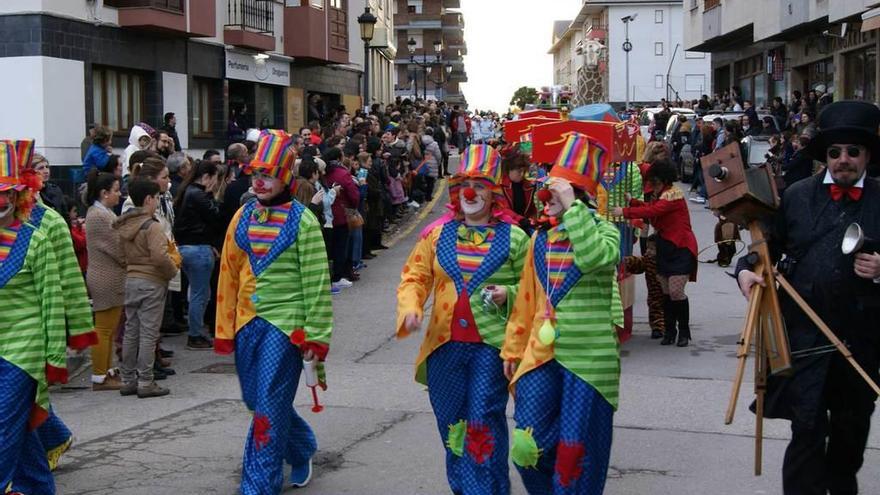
828, 403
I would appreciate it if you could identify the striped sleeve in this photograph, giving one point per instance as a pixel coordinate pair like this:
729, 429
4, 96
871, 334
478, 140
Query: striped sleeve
595, 242
48, 284
519, 246
315, 283
77, 312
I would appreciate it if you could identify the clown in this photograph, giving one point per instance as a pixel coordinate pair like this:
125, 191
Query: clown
32, 340
561, 350
471, 260
54, 434
274, 312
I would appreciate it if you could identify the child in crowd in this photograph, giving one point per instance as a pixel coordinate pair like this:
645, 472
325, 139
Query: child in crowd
77, 232
151, 263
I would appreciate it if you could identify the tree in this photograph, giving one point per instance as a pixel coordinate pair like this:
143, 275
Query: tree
524, 96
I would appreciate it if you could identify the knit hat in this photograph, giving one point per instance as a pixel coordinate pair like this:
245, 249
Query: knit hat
15, 157
580, 162
480, 160
275, 156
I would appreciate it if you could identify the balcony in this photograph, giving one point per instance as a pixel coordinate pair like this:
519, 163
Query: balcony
453, 22
250, 24
316, 36
166, 16
598, 32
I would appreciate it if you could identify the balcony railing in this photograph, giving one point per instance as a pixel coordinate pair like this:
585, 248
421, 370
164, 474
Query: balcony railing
171, 5
252, 15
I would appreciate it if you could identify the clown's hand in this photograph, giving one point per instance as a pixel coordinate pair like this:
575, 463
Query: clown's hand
412, 322
563, 190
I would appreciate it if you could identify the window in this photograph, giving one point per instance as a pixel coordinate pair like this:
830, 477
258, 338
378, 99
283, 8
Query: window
694, 55
118, 98
414, 6
658, 48
318, 4
710, 4
419, 37
265, 111
658, 17
658, 81
201, 115
337, 4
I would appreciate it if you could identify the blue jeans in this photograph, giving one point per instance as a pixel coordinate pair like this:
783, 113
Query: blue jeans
198, 263
356, 245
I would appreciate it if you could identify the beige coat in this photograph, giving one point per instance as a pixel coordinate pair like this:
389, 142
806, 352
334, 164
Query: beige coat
148, 252
105, 277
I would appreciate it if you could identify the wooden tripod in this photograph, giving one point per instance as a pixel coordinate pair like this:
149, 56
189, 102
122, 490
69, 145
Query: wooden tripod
765, 328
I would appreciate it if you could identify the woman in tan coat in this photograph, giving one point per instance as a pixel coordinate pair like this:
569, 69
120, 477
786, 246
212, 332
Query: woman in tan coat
105, 277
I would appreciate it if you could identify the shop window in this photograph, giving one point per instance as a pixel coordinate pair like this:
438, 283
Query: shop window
202, 118
118, 98
265, 111
860, 81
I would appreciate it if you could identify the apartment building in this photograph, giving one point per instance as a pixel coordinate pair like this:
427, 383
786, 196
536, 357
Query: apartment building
430, 61
788, 45
660, 66
566, 58
268, 63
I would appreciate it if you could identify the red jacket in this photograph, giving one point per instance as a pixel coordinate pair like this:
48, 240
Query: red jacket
646, 186
531, 211
349, 196
669, 215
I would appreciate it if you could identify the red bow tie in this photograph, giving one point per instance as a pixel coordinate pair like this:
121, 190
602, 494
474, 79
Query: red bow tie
837, 192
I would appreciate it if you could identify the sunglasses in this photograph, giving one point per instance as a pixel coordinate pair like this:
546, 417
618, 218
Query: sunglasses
852, 151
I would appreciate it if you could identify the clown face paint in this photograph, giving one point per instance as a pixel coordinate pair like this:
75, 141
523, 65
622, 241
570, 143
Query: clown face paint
553, 207
476, 198
266, 187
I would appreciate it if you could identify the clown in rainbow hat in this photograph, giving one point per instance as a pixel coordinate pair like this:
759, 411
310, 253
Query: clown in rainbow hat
470, 260
54, 435
274, 312
32, 331
560, 350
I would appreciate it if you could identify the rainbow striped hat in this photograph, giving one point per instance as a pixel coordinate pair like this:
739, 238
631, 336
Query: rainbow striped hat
15, 156
580, 162
275, 155
480, 160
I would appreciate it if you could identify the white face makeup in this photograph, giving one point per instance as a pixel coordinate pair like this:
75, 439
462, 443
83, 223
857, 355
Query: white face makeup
472, 207
554, 206
266, 187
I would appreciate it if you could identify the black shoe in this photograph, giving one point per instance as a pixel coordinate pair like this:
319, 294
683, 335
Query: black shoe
669, 321
381, 246
166, 371
656, 334
682, 315
159, 375
368, 256
166, 353
198, 344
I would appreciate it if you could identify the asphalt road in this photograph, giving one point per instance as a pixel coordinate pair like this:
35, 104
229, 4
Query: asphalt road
377, 434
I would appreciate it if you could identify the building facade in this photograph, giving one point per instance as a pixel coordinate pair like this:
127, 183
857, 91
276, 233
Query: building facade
566, 58
424, 73
659, 65
788, 45
214, 63
382, 50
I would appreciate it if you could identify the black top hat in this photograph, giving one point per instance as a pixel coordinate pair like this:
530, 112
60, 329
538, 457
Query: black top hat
847, 122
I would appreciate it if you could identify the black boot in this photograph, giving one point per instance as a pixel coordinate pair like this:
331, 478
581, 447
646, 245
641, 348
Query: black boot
669, 321
682, 314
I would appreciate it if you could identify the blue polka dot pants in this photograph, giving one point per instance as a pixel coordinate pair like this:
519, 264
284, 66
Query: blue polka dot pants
468, 393
566, 426
23, 461
53, 432
269, 368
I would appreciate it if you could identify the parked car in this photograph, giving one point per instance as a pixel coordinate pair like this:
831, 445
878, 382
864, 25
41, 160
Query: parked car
737, 115
646, 119
756, 149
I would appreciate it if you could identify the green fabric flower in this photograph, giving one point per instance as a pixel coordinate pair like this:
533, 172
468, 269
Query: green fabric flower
525, 451
455, 439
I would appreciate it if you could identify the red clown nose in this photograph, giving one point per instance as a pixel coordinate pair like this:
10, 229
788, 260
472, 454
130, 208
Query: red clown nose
544, 195
469, 193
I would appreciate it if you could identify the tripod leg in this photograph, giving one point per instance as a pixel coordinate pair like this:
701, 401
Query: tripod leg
742, 352
761, 362
825, 330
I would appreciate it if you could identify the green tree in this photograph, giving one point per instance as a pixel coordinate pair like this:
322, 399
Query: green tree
524, 96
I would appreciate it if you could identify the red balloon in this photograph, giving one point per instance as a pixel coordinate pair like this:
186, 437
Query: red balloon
469, 193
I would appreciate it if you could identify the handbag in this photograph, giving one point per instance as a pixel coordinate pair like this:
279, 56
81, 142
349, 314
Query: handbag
354, 218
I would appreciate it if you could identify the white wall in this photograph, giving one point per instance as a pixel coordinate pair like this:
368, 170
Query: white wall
644, 65
49, 105
77, 9
174, 99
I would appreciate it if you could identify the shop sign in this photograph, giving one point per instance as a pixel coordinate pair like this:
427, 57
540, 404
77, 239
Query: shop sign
246, 67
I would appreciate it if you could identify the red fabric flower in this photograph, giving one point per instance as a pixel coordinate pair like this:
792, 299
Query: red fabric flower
261, 430
480, 443
569, 460
298, 337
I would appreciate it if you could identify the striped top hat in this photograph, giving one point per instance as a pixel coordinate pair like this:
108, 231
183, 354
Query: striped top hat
275, 155
480, 160
580, 162
15, 156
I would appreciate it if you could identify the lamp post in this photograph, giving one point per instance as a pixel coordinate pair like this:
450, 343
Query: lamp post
444, 76
367, 22
627, 47
424, 64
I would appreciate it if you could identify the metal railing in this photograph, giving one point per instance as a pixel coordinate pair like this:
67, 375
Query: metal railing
252, 15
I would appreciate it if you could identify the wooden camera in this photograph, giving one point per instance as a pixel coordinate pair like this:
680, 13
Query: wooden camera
739, 192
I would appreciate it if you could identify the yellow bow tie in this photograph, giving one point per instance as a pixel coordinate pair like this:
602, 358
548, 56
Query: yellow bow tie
474, 235
260, 214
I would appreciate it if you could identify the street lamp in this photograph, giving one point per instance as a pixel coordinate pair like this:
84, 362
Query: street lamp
425, 65
367, 22
627, 47
411, 46
444, 76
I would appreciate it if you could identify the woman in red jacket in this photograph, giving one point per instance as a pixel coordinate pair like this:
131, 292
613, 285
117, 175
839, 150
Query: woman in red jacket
676, 246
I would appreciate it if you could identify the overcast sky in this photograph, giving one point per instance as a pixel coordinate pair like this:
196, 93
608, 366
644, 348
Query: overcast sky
507, 44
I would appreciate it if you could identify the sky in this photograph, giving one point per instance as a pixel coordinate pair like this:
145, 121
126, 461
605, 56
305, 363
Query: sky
507, 43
